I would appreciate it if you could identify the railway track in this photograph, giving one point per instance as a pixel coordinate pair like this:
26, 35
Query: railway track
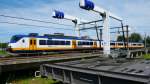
41, 57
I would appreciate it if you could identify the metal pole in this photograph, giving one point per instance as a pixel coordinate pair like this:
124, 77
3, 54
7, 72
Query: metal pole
145, 41
146, 50
97, 33
127, 37
106, 34
77, 29
100, 37
123, 35
1, 45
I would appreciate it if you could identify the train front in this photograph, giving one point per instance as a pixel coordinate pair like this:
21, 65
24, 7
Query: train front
13, 43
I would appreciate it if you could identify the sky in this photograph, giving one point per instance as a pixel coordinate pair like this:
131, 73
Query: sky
135, 13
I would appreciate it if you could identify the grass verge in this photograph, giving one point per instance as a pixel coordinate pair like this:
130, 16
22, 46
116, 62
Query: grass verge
3, 52
146, 56
33, 80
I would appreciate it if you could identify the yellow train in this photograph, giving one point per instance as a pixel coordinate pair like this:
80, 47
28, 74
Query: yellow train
36, 43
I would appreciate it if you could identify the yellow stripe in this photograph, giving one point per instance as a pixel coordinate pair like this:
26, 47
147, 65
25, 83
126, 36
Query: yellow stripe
57, 48
60, 48
66, 48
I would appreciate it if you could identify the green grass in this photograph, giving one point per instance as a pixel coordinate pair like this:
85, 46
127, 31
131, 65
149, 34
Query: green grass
3, 52
146, 56
33, 80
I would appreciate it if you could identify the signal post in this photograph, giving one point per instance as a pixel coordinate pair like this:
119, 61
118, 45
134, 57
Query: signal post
89, 5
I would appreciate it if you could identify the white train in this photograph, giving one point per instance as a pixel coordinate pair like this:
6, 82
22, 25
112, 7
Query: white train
34, 43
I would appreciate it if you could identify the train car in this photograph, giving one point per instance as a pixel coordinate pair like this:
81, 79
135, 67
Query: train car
131, 45
30, 43
35, 43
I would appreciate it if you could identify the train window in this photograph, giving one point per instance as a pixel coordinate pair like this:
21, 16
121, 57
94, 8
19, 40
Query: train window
112, 43
87, 43
79, 43
49, 42
56, 42
91, 43
23, 41
42, 42
120, 43
63, 43
83, 43
15, 38
133, 44
67, 42
30, 42
34, 42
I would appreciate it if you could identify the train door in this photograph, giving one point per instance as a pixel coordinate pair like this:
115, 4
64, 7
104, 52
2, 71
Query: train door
32, 44
95, 45
74, 45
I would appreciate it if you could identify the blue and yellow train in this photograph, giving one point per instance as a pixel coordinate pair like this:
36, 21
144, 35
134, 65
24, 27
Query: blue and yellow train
47, 43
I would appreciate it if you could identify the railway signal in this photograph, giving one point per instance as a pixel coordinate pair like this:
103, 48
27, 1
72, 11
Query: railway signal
89, 5
61, 15
58, 14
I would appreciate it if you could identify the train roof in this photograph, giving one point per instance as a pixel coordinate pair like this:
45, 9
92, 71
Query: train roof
64, 37
54, 37
123, 41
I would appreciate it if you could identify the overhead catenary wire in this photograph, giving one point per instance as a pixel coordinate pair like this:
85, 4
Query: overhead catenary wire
22, 24
29, 19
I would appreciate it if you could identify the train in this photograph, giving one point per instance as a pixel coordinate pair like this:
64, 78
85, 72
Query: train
47, 43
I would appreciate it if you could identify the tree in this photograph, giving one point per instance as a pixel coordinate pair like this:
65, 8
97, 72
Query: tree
135, 37
148, 41
120, 38
3, 45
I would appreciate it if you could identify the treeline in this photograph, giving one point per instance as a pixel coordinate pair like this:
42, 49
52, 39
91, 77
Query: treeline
3, 45
136, 37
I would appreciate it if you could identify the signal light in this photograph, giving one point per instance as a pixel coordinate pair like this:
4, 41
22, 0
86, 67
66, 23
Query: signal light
86, 4
58, 14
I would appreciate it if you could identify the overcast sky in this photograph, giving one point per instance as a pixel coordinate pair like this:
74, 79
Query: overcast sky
135, 13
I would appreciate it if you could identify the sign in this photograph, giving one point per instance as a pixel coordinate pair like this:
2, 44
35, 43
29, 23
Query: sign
87, 4
58, 14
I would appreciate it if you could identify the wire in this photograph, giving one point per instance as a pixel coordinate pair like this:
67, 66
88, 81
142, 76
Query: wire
33, 20
34, 25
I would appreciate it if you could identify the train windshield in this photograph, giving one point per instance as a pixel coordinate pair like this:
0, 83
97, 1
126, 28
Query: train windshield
15, 39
